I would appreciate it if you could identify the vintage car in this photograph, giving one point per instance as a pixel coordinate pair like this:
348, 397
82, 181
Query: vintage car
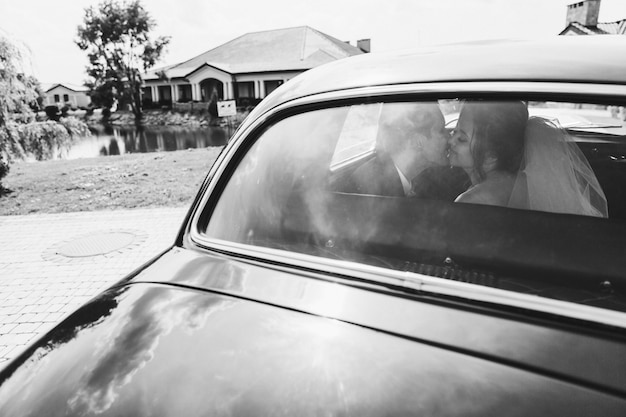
289, 291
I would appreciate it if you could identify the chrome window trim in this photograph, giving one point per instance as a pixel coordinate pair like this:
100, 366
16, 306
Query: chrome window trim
572, 91
335, 269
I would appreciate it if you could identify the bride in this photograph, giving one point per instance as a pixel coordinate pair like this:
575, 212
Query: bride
517, 162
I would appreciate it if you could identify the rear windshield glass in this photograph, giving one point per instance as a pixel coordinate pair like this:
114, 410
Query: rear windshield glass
523, 196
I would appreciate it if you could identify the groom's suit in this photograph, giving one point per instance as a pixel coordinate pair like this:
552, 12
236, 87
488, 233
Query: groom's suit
379, 176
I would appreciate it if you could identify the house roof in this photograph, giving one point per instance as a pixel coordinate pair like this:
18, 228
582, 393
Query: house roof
612, 28
298, 48
73, 87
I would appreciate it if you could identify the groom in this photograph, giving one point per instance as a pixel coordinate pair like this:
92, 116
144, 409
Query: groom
410, 158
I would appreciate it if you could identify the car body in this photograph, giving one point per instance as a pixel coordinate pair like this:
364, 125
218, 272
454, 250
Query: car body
284, 295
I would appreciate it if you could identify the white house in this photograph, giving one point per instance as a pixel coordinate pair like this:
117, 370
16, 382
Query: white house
582, 19
247, 68
72, 95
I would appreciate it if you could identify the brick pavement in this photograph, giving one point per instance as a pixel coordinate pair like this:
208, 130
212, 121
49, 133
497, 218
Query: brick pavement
39, 284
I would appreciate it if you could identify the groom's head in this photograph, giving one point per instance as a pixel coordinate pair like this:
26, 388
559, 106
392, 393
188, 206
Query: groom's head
414, 133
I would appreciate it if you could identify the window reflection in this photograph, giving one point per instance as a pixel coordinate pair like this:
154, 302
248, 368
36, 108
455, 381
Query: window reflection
437, 186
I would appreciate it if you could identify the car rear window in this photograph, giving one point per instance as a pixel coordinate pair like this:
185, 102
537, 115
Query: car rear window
433, 188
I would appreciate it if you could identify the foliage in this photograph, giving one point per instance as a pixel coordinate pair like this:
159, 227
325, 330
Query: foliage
20, 134
19, 93
102, 94
42, 140
4, 170
116, 36
52, 112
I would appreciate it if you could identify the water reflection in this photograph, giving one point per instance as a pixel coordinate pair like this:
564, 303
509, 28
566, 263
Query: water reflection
120, 140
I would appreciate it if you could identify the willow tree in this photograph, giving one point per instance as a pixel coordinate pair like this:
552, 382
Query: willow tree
117, 38
19, 92
21, 135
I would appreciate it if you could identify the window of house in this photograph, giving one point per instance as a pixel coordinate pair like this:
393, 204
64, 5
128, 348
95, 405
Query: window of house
66, 98
271, 85
165, 93
146, 93
184, 93
245, 89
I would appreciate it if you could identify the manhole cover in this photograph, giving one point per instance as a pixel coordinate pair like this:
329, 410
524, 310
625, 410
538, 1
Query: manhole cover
97, 244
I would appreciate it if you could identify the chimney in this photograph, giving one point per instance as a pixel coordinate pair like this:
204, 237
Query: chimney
584, 12
364, 45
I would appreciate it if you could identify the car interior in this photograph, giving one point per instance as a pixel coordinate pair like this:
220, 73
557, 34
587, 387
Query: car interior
607, 156
300, 207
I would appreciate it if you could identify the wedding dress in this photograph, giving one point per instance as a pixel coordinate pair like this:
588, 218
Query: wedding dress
554, 175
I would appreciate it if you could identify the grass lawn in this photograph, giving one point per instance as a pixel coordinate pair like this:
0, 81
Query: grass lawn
163, 179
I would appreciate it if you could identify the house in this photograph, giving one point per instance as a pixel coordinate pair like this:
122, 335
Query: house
67, 94
582, 19
246, 69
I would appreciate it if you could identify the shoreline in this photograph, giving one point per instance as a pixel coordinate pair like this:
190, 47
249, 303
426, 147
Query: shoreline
161, 118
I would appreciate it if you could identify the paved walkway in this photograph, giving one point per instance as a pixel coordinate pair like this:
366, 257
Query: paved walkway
52, 263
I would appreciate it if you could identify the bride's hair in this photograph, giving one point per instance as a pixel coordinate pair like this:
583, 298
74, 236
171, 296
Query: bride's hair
499, 128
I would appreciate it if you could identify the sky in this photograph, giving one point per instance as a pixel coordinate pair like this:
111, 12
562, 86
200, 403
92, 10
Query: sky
46, 30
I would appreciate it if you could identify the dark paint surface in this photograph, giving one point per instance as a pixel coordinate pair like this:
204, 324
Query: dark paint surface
154, 349
552, 347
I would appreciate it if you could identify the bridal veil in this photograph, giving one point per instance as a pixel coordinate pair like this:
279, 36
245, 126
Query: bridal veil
554, 174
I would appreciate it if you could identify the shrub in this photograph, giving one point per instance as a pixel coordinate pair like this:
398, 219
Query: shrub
4, 170
52, 112
42, 140
212, 110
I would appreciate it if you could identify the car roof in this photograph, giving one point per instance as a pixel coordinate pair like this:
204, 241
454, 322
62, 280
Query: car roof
578, 59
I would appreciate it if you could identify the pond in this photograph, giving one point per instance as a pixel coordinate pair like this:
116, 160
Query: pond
120, 140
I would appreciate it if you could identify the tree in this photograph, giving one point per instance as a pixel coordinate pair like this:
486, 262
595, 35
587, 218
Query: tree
19, 94
20, 134
116, 36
